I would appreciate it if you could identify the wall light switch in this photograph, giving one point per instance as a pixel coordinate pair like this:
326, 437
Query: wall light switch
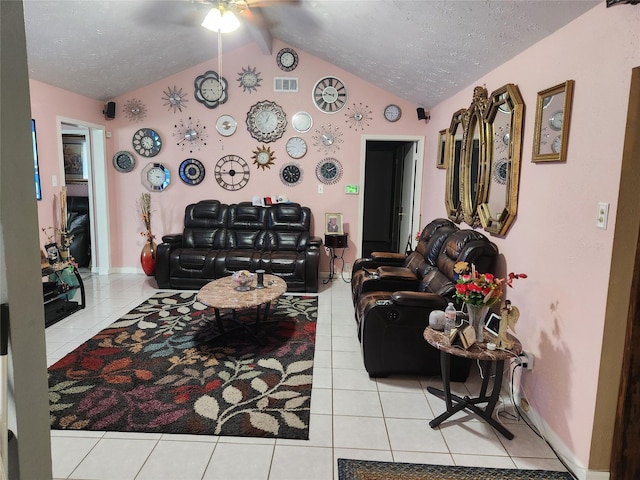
320, 188
603, 214
54, 181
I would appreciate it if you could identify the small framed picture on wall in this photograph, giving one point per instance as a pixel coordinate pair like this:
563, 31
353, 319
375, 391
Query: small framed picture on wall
333, 224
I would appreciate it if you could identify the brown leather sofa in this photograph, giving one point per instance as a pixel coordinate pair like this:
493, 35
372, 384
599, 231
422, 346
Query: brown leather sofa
391, 322
220, 239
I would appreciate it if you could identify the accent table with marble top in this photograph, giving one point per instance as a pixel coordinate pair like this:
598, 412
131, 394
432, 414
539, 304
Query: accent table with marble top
222, 294
487, 359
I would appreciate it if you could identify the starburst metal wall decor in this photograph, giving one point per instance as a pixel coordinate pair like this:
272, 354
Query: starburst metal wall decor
358, 116
190, 134
135, 110
249, 79
174, 99
327, 138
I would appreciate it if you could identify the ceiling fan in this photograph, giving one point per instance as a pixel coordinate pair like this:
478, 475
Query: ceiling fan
226, 16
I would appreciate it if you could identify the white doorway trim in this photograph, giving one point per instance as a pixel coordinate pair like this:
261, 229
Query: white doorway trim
418, 142
98, 192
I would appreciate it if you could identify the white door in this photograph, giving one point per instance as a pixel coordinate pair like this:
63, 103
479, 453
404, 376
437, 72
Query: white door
408, 189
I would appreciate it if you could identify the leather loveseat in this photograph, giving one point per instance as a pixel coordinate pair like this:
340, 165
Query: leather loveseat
220, 239
392, 308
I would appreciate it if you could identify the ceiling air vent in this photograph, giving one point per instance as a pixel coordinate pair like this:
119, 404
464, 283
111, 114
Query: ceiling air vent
285, 84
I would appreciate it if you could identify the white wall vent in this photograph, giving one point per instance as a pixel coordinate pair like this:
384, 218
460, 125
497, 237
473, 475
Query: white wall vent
285, 84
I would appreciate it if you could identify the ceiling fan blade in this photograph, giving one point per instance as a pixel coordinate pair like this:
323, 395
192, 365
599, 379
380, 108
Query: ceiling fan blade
269, 3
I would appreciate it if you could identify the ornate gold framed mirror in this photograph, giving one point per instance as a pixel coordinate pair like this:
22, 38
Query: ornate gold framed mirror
504, 120
473, 176
453, 158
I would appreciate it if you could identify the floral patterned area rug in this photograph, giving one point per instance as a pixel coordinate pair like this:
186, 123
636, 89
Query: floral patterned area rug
163, 368
370, 470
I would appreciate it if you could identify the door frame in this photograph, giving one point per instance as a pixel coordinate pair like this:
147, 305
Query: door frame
418, 142
98, 191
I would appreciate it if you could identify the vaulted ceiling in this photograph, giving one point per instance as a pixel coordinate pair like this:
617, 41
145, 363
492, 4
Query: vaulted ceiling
422, 50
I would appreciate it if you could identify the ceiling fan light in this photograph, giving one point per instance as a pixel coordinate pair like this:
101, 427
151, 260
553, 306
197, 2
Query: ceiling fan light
218, 21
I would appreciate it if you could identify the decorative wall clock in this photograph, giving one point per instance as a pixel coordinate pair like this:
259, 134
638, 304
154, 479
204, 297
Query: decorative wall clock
155, 177
291, 174
232, 172
191, 171
226, 125
358, 116
392, 113
174, 99
287, 59
329, 170
135, 110
249, 79
124, 161
327, 138
146, 142
211, 89
190, 134
301, 122
266, 121
263, 157
330, 94
296, 147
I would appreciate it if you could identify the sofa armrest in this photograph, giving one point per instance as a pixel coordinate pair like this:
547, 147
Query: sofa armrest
428, 301
315, 242
175, 239
389, 258
163, 255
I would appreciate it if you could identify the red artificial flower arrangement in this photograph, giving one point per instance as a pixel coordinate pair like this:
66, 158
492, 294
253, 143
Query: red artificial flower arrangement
476, 288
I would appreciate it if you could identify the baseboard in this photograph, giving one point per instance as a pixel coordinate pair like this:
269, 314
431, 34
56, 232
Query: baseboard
563, 452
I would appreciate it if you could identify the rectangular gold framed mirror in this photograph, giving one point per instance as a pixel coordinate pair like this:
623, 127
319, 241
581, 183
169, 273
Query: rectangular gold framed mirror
442, 148
553, 117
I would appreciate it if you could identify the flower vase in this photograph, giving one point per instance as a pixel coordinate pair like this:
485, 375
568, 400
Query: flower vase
476, 319
148, 258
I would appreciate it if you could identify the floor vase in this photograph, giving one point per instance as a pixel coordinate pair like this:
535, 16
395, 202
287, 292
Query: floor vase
477, 314
148, 258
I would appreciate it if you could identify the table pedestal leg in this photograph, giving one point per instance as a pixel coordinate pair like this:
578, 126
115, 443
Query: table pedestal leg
471, 403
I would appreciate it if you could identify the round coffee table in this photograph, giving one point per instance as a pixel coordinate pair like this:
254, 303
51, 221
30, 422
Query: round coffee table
222, 294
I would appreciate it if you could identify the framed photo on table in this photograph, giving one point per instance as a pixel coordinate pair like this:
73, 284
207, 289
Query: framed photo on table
553, 117
333, 224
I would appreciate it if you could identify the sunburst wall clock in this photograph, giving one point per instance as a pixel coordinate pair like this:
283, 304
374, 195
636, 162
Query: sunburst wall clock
174, 99
327, 138
358, 116
263, 157
249, 79
135, 110
190, 134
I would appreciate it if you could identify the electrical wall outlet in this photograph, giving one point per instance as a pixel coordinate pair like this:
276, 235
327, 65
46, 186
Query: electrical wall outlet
526, 360
603, 214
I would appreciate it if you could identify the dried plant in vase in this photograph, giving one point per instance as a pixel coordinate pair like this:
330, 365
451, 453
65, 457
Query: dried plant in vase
148, 254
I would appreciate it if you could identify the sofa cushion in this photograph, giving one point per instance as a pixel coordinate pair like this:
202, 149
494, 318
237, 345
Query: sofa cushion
205, 225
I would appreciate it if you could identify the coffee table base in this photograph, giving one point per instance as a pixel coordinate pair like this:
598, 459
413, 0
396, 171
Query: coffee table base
261, 317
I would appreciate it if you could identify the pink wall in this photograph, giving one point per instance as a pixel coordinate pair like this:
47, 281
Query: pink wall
554, 238
47, 103
169, 204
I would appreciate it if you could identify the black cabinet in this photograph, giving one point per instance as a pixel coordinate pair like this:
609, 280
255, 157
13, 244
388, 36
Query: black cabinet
61, 284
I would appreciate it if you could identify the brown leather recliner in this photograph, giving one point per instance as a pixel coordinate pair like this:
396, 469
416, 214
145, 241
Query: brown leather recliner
391, 324
382, 271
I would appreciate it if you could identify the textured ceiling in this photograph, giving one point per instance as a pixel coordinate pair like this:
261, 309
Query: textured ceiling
423, 51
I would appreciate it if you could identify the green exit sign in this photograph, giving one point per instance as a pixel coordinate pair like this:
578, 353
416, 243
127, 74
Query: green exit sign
351, 189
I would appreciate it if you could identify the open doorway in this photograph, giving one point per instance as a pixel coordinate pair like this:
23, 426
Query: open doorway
390, 199
82, 154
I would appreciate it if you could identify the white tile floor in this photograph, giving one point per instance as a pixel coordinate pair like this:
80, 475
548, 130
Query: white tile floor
352, 416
